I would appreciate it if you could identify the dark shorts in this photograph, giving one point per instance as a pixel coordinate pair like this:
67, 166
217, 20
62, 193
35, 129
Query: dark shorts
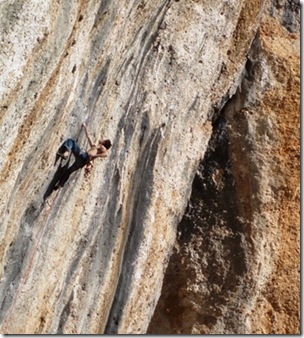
82, 159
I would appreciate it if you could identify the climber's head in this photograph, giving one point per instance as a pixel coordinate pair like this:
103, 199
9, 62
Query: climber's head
106, 143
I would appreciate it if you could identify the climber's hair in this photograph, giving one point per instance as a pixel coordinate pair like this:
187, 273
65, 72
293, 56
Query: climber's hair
106, 143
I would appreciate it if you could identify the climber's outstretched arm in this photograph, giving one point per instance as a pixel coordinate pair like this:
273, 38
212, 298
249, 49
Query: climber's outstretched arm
87, 135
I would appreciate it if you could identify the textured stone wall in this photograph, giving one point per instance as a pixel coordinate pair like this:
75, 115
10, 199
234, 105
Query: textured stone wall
235, 267
196, 96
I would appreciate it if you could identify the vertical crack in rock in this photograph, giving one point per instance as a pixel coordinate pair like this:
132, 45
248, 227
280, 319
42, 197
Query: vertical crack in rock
65, 313
98, 87
207, 284
210, 261
229, 239
141, 192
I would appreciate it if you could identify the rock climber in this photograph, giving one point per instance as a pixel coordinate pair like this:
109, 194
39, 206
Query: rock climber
82, 158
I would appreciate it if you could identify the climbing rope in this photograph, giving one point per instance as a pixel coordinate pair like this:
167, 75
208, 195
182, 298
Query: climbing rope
29, 265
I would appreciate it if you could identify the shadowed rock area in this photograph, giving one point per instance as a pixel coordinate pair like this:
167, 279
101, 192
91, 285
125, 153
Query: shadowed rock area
191, 224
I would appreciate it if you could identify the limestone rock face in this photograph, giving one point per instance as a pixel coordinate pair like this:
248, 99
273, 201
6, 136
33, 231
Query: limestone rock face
191, 224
